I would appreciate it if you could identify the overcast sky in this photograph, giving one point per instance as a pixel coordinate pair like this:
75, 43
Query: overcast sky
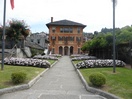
96, 14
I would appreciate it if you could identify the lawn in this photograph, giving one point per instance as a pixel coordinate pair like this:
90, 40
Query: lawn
5, 75
119, 83
51, 61
75, 62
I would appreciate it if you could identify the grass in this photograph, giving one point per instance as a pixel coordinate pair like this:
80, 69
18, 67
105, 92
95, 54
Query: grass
77, 61
119, 83
5, 75
51, 61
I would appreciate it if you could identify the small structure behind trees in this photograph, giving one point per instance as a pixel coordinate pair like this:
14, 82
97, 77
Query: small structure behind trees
40, 39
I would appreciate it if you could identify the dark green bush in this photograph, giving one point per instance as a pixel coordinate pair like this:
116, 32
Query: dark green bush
18, 77
35, 51
97, 79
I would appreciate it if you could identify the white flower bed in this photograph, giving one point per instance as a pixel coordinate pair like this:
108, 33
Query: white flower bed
100, 63
75, 55
83, 58
56, 55
27, 62
45, 57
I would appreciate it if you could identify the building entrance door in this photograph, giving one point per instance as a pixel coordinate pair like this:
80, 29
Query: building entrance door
66, 50
71, 50
61, 50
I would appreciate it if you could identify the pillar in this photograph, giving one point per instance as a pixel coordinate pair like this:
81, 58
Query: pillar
63, 50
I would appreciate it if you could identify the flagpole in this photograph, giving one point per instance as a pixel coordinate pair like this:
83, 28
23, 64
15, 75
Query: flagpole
3, 37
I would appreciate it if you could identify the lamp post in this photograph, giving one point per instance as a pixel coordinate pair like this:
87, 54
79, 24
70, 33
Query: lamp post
114, 65
3, 37
131, 58
130, 45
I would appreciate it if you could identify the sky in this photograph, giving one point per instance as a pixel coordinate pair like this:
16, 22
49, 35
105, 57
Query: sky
95, 14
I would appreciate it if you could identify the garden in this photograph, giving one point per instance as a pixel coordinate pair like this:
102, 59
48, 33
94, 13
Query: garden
22, 70
98, 73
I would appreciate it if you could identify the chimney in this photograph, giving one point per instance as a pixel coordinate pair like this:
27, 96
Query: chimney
51, 19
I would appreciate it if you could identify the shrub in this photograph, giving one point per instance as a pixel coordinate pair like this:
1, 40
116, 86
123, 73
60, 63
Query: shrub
97, 79
18, 77
35, 51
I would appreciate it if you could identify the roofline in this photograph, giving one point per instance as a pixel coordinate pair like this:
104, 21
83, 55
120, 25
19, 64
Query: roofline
58, 24
64, 25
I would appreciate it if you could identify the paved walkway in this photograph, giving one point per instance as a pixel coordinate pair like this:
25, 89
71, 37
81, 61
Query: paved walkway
59, 82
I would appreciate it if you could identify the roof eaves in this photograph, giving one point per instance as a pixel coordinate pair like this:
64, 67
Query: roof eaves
65, 23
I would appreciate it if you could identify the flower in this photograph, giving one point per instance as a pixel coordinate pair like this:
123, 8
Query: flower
27, 62
99, 63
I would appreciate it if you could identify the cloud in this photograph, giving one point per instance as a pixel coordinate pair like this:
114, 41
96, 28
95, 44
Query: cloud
96, 14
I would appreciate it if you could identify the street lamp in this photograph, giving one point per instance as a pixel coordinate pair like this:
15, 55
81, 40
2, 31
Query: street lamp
130, 45
114, 65
3, 37
131, 58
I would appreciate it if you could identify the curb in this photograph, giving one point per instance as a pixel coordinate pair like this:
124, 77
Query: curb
94, 90
25, 86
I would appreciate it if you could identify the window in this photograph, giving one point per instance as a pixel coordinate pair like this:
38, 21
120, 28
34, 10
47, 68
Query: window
53, 50
31, 40
38, 41
61, 30
66, 29
78, 39
70, 30
78, 29
53, 29
65, 38
53, 37
60, 38
71, 38
79, 50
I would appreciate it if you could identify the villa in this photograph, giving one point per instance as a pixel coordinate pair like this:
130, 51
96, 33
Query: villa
65, 37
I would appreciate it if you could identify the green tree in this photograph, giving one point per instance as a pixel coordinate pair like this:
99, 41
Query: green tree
125, 36
109, 39
17, 30
102, 43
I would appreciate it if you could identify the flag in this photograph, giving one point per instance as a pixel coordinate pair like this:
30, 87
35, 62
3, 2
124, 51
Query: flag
12, 4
